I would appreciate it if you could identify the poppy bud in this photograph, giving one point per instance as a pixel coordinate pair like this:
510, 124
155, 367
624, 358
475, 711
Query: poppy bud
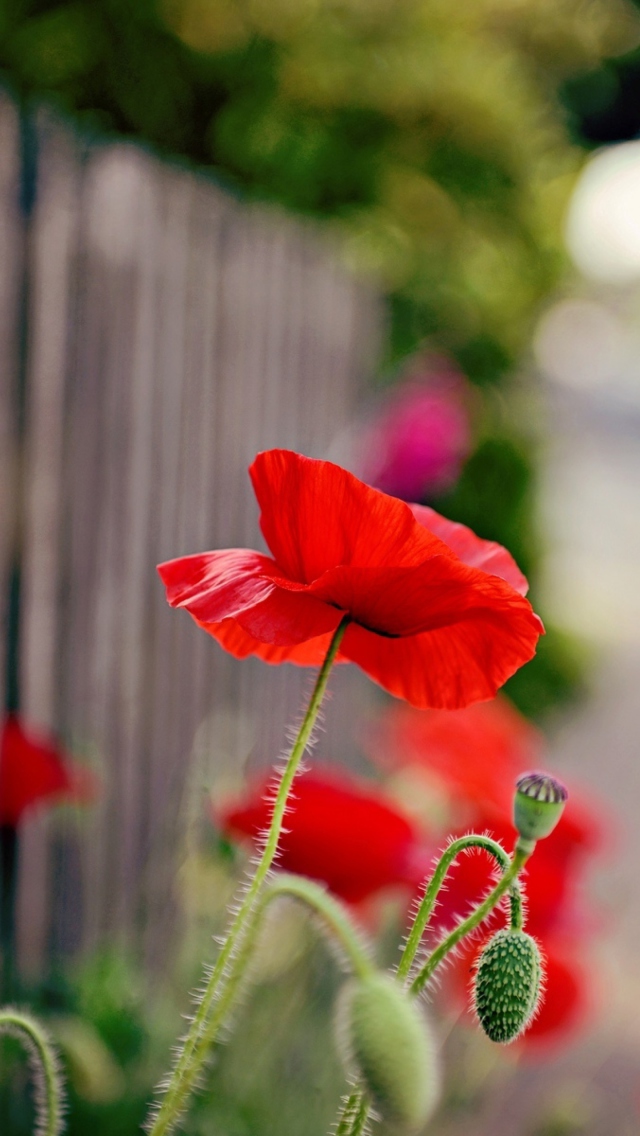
538, 805
506, 989
385, 1036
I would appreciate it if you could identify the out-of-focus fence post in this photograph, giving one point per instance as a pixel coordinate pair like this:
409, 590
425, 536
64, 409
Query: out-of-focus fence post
172, 333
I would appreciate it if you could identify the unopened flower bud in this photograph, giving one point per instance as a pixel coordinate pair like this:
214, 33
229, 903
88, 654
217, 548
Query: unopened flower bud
538, 805
507, 985
385, 1037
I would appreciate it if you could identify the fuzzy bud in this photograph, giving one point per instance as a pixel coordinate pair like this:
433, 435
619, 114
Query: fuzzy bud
507, 985
538, 805
385, 1037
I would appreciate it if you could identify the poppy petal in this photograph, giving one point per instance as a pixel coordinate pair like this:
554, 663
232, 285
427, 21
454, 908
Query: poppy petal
450, 666
471, 549
241, 643
249, 588
316, 516
404, 601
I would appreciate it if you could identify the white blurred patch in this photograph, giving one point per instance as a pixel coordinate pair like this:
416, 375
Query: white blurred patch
580, 343
603, 223
121, 203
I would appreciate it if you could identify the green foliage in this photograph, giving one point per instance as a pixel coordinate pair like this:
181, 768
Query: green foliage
430, 138
433, 135
494, 496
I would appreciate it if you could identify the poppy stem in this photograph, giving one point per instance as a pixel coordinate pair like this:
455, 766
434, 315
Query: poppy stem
336, 921
231, 962
355, 1112
354, 1115
48, 1093
333, 914
520, 856
428, 902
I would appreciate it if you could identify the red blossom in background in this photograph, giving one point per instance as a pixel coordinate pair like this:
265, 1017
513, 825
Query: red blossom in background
475, 755
437, 616
340, 830
33, 770
416, 444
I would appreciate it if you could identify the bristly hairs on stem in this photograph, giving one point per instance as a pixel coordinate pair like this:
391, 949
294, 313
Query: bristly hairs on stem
222, 986
434, 885
48, 1092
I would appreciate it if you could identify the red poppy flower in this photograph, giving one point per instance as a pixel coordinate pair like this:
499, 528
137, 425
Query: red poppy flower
33, 770
339, 830
438, 616
477, 752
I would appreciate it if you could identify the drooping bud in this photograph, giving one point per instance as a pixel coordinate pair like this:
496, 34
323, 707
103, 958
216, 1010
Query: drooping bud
538, 805
507, 985
384, 1035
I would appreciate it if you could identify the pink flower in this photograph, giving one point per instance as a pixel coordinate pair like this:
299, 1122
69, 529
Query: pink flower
421, 436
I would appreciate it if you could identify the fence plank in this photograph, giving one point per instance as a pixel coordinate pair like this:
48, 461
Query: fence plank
174, 332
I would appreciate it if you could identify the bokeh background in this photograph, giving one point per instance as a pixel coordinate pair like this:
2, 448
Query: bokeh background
395, 233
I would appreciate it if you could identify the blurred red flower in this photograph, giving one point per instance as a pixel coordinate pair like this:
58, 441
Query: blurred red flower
417, 442
339, 830
477, 752
438, 617
34, 770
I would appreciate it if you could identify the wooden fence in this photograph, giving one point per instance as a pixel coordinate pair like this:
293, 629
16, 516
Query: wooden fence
154, 334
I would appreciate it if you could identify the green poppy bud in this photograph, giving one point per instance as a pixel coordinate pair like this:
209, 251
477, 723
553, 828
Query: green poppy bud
385, 1036
538, 805
507, 985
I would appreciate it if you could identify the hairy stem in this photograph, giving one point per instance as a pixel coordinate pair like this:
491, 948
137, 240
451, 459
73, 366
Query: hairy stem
472, 921
48, 1095
428, 902
332, 913
355, 1112
334, 917
193, 1052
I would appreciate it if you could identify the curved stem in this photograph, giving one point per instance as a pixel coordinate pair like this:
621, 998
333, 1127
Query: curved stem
332, 913
427, 904
48, 1094
192, 1054
472, 921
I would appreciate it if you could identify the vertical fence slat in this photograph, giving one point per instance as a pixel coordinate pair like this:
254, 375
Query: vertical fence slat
174, 333
11, 269
49, 264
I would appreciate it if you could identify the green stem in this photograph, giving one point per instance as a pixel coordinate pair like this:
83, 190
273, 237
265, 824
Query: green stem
195, 1046
332, 913
355, 1112
354, 1115
48, 1096
427, 905
347, 1113
472, 921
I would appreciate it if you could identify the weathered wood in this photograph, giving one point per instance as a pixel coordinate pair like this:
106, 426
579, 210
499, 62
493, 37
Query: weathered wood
173, 333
